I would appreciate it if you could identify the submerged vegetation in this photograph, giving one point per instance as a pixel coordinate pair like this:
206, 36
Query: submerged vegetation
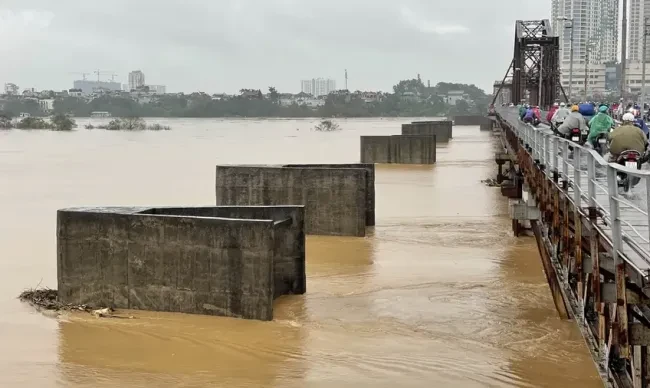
129, 124
327, 126
59, 122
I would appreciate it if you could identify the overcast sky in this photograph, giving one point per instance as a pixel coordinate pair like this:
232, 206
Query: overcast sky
225, 45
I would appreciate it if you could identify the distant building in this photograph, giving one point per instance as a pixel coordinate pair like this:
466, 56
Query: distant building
11, 89
505, 95
87, 87
453, 96
136, 80
318, 86
157, 89
75, 92
47, 105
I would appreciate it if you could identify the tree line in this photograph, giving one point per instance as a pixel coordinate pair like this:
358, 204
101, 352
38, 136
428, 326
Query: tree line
409, 98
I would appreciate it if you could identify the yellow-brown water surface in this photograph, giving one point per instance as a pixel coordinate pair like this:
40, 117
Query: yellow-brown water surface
439, 294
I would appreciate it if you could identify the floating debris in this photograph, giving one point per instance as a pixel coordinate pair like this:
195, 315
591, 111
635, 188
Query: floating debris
327, 126
491, 182
47, 299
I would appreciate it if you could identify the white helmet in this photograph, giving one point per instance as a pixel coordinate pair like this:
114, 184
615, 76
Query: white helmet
628, 117
555, 104
562, 105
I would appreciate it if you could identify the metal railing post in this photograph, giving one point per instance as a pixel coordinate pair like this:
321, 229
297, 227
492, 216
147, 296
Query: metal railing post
565, 164
576, 177
555, 151
612, 188
591, 179
647, 201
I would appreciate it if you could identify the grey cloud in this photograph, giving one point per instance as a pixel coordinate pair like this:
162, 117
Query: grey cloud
222, 45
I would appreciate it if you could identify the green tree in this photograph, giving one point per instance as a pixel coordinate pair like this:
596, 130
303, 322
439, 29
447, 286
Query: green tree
275, 96
61, 122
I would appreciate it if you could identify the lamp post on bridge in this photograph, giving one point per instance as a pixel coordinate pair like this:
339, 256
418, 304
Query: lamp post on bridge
590, 44
571, 20
643, 60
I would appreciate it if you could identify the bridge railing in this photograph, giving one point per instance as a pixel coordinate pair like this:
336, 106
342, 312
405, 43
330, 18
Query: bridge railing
594, 183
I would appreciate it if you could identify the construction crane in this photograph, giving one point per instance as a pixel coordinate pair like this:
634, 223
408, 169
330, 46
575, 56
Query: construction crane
82, 74
102, 72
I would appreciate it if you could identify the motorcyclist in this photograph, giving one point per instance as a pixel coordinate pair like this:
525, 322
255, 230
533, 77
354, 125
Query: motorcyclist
537, 112
638, 121
551, 112
522, 110
560, 115
600, 123
627, 137
529, 116
587, 110
573, 120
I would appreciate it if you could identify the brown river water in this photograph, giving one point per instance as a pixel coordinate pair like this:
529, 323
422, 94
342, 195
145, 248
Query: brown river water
439, 294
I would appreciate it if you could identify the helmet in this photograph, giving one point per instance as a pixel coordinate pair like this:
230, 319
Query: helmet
628, 117
603, 108
562, 105
555, 104
574, 108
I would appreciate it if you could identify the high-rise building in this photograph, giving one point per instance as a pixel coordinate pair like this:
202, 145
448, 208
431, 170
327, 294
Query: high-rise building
595, 32
639, 10
136, 79
318, 86
88, 86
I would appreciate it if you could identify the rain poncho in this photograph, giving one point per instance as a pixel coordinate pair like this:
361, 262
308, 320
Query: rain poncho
627, 137
600, 123
573, 120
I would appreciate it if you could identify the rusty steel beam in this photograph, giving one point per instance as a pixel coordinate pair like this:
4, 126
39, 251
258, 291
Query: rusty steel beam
535, 64
607, 299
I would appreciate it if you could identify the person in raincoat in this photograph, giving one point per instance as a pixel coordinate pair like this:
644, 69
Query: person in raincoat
522, 110
600, 123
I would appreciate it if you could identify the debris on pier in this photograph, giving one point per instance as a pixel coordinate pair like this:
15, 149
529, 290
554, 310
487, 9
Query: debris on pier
491, 182
47, 299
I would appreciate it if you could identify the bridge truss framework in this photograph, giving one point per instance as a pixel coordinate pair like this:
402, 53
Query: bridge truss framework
534, 72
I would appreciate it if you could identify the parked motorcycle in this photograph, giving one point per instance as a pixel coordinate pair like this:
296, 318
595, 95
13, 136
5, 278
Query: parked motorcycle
629, 159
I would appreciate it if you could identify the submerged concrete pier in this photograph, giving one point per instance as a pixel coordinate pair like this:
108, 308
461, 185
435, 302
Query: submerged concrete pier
339, 199
483, 121
401, 149
227, 261
442, 130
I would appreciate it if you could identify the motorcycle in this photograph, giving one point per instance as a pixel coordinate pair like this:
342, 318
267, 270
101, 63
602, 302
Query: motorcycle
555, 126
601, 144
576, 136
629, 159
536, 121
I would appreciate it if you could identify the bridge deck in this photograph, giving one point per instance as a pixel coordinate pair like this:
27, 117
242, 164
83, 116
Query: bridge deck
592, 177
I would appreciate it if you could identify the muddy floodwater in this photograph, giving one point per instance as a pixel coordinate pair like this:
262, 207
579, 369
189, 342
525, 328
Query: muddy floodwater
439, 294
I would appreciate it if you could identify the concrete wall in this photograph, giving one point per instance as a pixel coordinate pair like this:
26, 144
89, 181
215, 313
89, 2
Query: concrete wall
442, 130
403, 149
336, 197
470, 120
216, 261
370, 184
